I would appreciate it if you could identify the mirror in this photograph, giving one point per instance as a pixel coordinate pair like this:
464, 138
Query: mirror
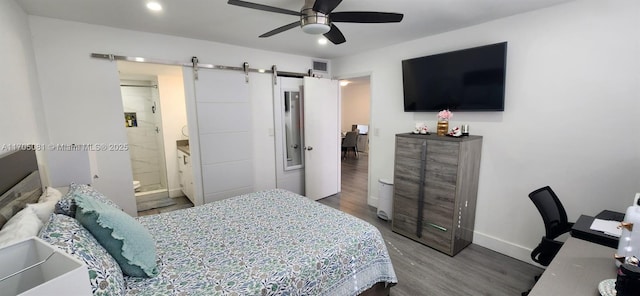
291, 117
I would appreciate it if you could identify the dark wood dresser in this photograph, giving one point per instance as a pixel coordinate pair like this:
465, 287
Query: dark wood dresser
435, 189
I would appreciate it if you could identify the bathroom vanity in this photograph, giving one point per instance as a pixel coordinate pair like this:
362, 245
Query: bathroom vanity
185, 169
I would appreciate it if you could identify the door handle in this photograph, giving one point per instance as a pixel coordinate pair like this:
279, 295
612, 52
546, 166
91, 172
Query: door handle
308, 148
438, 227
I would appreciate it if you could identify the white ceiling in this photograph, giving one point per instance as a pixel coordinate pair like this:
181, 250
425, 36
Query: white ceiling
215, 20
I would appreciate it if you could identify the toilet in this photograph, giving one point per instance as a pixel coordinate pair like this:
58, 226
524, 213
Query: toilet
136, 186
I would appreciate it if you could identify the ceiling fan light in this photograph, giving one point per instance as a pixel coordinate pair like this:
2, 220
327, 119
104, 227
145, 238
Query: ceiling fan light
316, 29
154, 6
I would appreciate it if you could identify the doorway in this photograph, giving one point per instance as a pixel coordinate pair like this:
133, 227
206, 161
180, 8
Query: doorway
155, 122
356, 116
140, 99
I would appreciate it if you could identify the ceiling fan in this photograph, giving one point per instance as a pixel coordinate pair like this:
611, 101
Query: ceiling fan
317, 17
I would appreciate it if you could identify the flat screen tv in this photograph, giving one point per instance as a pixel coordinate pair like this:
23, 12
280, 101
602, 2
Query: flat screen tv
464, 80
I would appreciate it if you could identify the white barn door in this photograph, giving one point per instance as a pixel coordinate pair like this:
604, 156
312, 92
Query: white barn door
223, 146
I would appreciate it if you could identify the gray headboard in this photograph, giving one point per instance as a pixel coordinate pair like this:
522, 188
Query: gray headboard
19, 182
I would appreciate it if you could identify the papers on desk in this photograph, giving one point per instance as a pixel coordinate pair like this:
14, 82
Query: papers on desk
609, 227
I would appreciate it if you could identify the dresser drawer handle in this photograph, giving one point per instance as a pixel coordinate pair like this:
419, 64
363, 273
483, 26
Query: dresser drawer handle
438, 227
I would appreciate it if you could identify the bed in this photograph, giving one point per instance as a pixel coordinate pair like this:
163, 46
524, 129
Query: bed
273, 242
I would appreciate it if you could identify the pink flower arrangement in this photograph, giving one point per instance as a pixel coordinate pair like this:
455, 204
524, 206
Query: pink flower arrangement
445, 114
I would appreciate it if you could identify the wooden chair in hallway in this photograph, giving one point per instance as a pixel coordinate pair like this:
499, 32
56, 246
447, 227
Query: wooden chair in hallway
350, 142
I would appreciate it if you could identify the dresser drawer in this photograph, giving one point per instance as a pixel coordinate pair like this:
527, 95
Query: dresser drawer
439, 215
409, 147
443, 152
406, 177
405, 225
437, 236
440, 193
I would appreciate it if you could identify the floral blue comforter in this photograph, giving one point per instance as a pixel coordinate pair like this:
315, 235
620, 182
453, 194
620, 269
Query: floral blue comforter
266, 243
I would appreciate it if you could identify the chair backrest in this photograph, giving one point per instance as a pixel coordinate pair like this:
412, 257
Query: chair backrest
551, 210
351, 139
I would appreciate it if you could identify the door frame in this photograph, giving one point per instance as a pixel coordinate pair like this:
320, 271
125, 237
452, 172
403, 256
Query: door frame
371, 123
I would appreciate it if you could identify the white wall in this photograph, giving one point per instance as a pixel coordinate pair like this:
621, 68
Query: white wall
356, 105
174, 117
72, 83
21, 115
264, 161
571, 119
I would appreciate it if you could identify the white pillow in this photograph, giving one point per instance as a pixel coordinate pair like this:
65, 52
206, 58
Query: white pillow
43, 209
22, 225
50, 194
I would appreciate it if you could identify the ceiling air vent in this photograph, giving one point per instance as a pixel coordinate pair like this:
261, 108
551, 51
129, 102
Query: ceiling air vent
320, 66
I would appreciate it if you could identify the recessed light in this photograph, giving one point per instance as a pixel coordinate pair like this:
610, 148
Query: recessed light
344, 82
322, 41
155, 6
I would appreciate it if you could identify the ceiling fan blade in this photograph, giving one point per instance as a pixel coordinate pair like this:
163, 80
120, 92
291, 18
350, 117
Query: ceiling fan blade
365, 17
263, 7
281, 29
334, 35
326, 6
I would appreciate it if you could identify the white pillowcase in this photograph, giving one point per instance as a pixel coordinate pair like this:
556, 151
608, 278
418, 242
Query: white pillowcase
22, 225
46, 204
50, 194
43, 209
29, 221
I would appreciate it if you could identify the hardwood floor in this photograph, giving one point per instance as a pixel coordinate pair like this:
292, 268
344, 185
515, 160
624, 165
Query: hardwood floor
424, 271
181, 202
421, 270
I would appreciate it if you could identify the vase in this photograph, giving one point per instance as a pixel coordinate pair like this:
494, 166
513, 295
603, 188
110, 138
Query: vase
443, 127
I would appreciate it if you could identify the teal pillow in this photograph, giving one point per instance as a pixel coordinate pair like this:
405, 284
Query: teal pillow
128, 242
67, 205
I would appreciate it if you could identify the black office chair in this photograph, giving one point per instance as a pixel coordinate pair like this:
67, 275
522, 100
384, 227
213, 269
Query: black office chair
555, 224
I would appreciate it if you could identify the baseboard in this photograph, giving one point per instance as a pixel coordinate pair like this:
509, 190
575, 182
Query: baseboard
175, 193
372, 201
507, 248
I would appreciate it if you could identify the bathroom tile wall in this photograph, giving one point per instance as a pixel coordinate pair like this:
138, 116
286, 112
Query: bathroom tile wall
144, 142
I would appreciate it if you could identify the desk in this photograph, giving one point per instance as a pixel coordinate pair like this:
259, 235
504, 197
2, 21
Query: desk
582, 229
577, 269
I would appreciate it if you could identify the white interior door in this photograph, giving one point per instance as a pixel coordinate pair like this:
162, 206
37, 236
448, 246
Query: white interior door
321, 137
